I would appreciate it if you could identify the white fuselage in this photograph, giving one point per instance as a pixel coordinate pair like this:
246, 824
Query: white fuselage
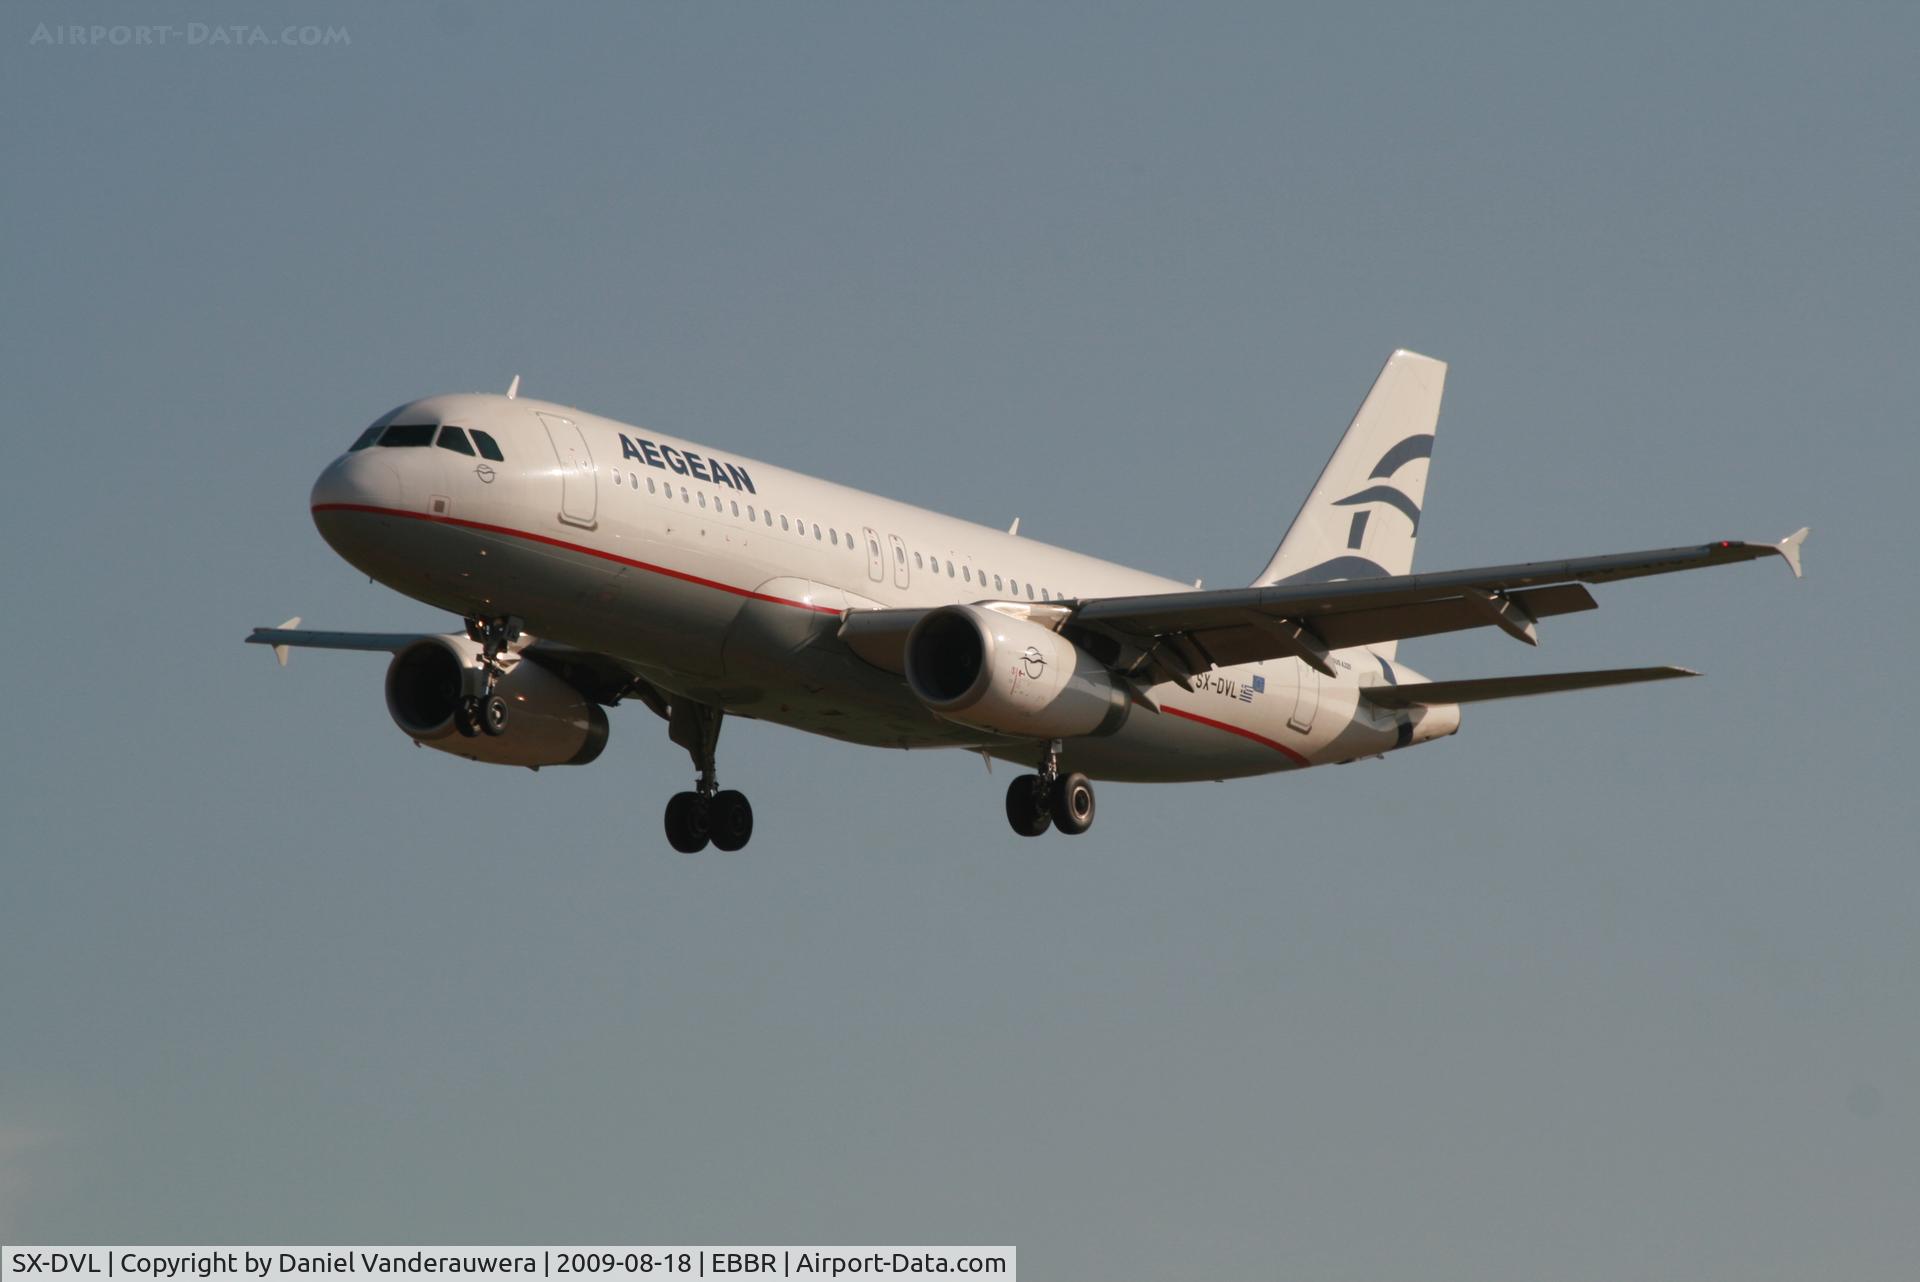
724, 579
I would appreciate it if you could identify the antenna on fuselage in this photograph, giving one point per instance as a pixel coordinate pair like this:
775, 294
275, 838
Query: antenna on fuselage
1015, 527
513, 388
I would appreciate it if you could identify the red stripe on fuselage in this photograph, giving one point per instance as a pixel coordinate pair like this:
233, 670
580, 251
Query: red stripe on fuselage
582, 548
1243, 732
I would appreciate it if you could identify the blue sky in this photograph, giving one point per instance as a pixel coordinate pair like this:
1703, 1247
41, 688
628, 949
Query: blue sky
1610, 985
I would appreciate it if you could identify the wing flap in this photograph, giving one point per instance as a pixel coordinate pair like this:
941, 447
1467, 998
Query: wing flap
1251, 641
1474, 691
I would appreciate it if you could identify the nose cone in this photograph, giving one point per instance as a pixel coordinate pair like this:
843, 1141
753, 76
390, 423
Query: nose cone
351, 485
360, 479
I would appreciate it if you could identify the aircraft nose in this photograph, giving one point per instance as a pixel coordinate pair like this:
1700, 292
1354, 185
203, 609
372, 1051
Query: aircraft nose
349, 486
360, 479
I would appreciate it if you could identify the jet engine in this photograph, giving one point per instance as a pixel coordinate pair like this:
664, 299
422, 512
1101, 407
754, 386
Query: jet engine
549, 722
995, 671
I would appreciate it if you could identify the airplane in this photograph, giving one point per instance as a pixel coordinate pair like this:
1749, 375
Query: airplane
594, 562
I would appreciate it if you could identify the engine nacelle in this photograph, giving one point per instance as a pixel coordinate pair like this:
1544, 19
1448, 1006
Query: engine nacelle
998, 672
549, 723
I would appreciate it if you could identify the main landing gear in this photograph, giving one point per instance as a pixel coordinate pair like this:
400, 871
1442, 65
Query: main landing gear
1050, 799
486, 712
707, 814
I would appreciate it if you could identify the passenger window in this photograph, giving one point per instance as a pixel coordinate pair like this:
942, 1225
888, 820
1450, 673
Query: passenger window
949, 569
1044, 596
769, 515
1029, 591
966, 574
996, 584
836, 537
783, 522
918, 564
617, 479
750, 515
408, 434
367, 438
899, 554
633, 480
703, 500
650, 486
735, 506
816, 532
488, 449
686, 496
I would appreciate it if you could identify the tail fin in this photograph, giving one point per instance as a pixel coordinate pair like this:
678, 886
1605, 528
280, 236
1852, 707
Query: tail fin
1363, 513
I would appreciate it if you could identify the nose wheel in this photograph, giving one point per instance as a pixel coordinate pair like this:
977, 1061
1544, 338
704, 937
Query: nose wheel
708, 815
1049, 799
477, 715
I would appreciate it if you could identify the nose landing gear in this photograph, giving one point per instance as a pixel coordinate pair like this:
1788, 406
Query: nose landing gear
1050, 799
707, 814
486, 712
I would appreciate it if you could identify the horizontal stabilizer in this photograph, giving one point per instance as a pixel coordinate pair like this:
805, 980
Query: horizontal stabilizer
1408, 696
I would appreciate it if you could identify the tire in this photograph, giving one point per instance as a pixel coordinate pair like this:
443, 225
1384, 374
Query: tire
466, 718
731, 818
688, 823
493, 715
1027, 811
1072, 804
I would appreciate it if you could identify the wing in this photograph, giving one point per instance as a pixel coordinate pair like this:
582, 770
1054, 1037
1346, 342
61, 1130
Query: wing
1425, 692
1176, 635
1183, 633
599, 677
289, 635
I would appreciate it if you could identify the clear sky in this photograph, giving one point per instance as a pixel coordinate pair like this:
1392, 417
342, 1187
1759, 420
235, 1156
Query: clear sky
1614, 985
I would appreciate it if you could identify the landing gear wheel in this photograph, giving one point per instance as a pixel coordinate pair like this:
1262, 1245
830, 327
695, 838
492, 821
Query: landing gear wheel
493, 715
466, 718
731, 819
689, 822
1072, 804
1027, 809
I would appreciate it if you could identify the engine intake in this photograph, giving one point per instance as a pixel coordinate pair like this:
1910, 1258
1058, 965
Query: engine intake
550, 723
994, 671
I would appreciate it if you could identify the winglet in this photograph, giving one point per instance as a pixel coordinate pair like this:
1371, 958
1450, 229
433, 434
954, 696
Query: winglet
280, 651
1790, 549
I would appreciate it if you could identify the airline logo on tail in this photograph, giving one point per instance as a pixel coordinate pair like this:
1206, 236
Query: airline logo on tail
1418, 446
1341, 531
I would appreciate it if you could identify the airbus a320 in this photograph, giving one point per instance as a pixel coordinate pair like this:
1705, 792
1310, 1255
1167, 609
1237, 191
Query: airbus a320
595, 563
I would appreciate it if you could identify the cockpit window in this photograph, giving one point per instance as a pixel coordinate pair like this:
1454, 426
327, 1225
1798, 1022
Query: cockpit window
452, 438
367, 438
408, 434
487, 448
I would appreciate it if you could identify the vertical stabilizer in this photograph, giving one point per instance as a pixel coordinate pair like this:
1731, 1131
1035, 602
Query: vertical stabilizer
1363, 514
